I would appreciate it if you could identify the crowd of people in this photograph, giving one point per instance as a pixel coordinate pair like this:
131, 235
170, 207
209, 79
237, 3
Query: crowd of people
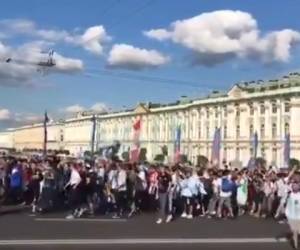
126, 189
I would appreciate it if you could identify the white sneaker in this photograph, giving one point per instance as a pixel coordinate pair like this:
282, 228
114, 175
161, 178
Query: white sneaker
76, 212
70, 217
184, 215
282, 222
169, 218
80, 213
189, 216
159, 221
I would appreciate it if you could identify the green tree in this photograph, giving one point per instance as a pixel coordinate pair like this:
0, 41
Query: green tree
143, 155
294, 162
260, 162
125, 156
202, 161
159, 158
87, 154
164, 150
183, 159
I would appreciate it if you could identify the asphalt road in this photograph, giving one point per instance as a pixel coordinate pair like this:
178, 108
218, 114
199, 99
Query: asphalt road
18, 230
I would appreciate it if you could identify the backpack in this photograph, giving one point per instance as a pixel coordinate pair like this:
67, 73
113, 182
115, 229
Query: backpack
227, 185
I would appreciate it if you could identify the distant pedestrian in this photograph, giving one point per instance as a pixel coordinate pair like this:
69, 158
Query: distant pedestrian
74, 189
292, 212
164, 185
16, 184
226, 186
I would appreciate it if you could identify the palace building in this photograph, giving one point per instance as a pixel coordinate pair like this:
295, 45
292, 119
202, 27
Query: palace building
270, 108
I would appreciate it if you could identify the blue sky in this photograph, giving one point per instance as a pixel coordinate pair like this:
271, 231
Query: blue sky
88, 81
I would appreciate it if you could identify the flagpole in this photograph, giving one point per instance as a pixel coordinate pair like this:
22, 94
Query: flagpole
93, 134
45, 134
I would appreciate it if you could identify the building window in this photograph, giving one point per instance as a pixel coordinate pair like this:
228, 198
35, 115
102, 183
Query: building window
262, 108
238, 112
207, 113
225, 132
61, 137
251, 151
225, 110
274, 107
238, 153
274, 130
274, 154
263, 151
262, 130
238, 131
286, 128
251, 130
207, 132
251, 108
216, 112
225, 153
199, 129
287, 105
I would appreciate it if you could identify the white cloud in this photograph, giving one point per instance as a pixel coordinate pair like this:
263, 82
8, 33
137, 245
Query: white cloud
158, 34
99, 107
91, 40
27, 118
33, 118
12, 119
5, 114
278, 45
74, 109
17, 25
129, 57
222, 35
23, 67
67, 65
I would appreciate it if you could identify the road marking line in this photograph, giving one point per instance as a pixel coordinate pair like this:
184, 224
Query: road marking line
79, 220
141, 241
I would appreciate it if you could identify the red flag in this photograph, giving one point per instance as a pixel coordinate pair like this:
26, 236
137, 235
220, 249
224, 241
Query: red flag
134, 155
137, 125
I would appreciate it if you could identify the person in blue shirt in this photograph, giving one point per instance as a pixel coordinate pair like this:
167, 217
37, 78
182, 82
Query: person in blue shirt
16, 183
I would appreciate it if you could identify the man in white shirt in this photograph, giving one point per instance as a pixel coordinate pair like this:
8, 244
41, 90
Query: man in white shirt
112, 178
140, 188
120, 191
74, 184
282, 186
292, 211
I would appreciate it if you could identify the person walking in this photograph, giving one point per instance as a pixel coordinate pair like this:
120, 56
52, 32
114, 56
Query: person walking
282, 185
164, 185
242, 193
120, 191
75, 196
226, 186
215, 196
16, 184
292, 212
187, 195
